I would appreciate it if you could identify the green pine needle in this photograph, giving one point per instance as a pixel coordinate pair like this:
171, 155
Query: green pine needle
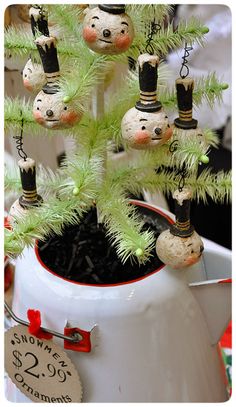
19, 42
189, 149
17, 110
79, 87
216, 186
81, 173
12, 180
169, 38
211, 138
67, 18
141, 13
48, 181
39, 223
212, 93
124, 226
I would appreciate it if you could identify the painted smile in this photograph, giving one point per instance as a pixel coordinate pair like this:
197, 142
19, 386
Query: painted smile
51, 120
108, 42
156, 138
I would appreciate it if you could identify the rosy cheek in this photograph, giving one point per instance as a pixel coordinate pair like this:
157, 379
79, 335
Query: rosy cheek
27, 85
168, 133
89, 34
70, 117
123, 42
142, 137
191, 260
38, 117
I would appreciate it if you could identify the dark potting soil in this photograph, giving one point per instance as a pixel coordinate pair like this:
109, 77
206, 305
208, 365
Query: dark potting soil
84, 254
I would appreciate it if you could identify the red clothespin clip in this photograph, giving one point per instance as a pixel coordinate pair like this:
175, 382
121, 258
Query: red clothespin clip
83, 345
34, 327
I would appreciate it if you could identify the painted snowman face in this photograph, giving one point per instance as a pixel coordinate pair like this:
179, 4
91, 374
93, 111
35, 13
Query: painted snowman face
34, 77
191, 134
107, 33
200, 136
142, 130
179, 252
51, 112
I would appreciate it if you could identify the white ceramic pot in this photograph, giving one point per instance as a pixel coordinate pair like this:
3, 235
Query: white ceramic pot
154, 341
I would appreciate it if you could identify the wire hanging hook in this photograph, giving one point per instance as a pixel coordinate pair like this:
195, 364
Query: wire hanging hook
153, 29
184, 65
19, 141
76, 337
173, 146
182, 173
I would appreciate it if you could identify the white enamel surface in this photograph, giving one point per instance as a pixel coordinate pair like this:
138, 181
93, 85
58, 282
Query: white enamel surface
214, 296
151, 344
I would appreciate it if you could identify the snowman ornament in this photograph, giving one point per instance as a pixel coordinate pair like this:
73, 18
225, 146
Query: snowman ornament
29, 198
33, 75
107, 29
180, 246
185, 126
51, 109
146, 126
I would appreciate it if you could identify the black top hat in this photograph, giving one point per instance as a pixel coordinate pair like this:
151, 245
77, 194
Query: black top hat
182, 227
28, 180
148, 83
184, 87
39, 20
113, 8
48, 54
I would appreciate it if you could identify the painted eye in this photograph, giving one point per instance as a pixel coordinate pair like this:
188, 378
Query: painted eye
65, 108
93, 25
143, 127
122, 31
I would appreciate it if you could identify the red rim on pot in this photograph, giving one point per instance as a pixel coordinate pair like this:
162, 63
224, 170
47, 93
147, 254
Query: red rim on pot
134, 202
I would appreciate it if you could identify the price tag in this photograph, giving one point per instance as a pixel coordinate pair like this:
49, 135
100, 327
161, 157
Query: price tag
40, 368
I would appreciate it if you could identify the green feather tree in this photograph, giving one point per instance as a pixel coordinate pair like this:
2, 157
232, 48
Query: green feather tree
90, 175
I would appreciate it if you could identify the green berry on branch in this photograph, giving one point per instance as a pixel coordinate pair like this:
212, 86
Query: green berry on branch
205, 30
66, 99
76, 191
204, 159
139, 252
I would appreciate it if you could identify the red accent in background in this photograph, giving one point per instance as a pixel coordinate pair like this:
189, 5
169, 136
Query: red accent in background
8, 276
7, 224
226, 280
226, 339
